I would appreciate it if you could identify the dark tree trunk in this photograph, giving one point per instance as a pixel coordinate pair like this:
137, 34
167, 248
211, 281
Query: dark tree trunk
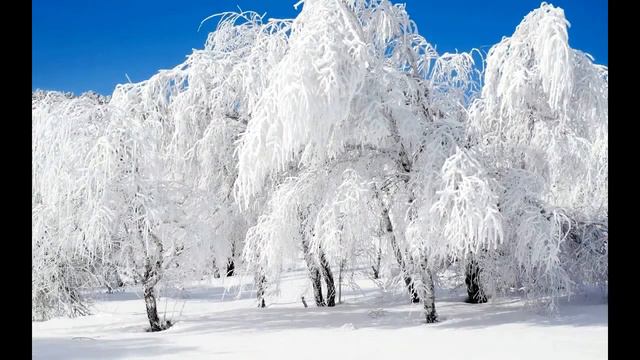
260, 284
316, 281
230, 267
376, 266
328, 278
149, 280
230, 264
472, 279
428, 296
152, 310
415, 298
388, 228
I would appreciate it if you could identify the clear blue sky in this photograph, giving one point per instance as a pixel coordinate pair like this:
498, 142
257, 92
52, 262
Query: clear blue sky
81, 45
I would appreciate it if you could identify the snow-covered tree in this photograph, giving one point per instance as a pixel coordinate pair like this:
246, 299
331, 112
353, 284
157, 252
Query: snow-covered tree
361, 91
224, 80
64, 130
541, 127
192, 115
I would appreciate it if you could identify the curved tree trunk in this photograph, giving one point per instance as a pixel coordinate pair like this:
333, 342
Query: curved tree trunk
314, 268
388, 228
328, 278
314, 274
152, 310
150, 278
316, 281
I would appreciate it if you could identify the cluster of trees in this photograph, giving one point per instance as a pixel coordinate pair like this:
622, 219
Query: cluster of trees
342, 139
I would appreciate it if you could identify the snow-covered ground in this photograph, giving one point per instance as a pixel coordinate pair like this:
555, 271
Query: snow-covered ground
212, 323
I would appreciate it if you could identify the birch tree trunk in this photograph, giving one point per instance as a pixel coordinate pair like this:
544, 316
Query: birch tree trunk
150, 278
152, 310
428, 296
